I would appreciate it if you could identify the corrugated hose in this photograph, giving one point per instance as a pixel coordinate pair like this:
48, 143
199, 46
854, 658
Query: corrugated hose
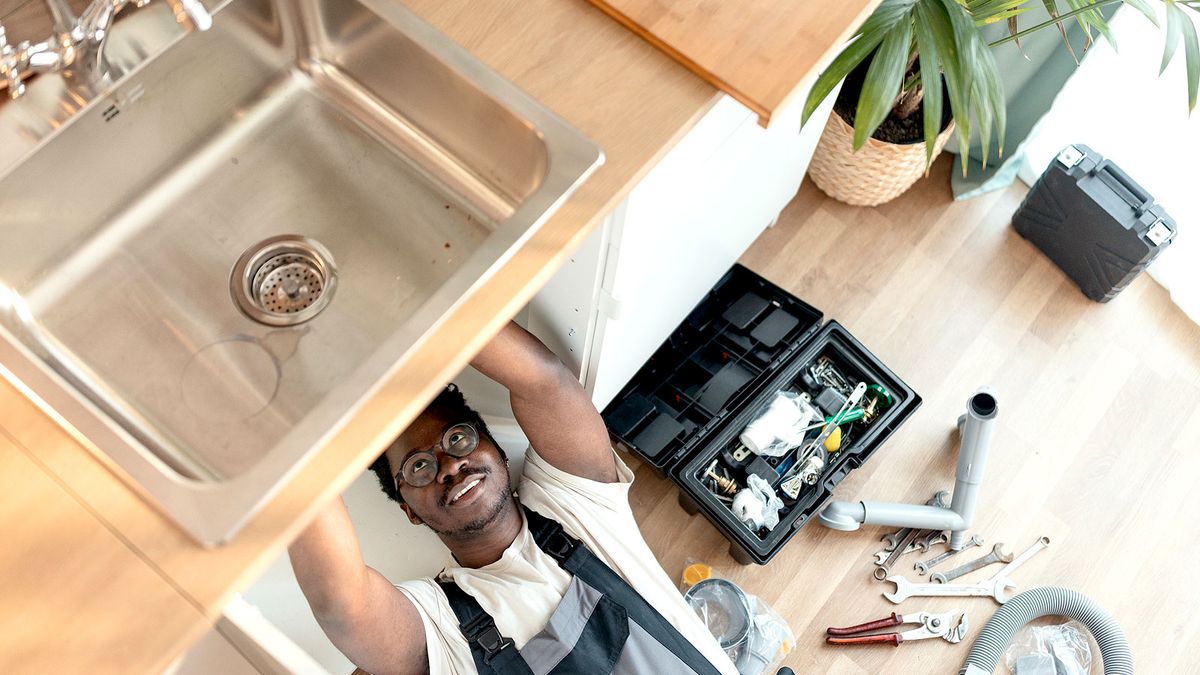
1038, 602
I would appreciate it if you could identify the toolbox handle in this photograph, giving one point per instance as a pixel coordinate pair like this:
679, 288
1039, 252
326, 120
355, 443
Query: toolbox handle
1112, 175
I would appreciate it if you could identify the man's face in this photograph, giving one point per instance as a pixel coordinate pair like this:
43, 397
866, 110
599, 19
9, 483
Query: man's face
482, 474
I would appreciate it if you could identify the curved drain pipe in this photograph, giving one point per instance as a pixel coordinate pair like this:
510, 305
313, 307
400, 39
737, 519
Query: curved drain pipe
976, 428
1038, 602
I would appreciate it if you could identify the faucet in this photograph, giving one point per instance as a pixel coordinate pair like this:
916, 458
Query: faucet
77, 46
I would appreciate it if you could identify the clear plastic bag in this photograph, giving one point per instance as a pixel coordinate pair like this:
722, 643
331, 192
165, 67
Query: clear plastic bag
757, 505
770, 639
1061, 649
752, 634
780, 426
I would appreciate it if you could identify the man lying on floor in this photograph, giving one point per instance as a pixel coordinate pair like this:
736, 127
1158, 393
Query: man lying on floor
554, 578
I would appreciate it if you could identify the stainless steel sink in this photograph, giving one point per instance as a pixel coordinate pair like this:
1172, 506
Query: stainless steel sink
206, 266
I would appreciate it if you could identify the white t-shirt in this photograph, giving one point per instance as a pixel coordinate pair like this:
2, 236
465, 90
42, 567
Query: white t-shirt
522, 588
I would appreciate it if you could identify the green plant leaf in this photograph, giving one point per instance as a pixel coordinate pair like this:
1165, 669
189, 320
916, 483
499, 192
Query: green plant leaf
1095, 18
992, 11
874, 29
1082, 19
1145, 8
985, 91
1052, 10
1174, 32
927, 38
882, 83
1191, 52
987, 96
937, 15
1015, 31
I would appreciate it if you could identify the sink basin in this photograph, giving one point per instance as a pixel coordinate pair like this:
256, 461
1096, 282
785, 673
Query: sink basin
208, 263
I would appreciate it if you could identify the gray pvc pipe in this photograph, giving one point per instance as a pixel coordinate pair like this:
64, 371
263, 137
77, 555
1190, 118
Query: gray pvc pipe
976, 428
978, 425
1038, 602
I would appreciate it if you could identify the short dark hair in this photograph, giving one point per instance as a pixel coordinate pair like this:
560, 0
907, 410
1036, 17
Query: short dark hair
451, 402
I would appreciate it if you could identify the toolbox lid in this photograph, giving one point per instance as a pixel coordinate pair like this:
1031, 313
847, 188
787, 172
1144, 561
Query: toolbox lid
728, 346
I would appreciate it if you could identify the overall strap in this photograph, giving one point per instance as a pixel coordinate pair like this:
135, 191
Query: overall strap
575, 558
494, 654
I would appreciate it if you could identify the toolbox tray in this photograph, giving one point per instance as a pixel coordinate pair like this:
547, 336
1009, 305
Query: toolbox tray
746, 340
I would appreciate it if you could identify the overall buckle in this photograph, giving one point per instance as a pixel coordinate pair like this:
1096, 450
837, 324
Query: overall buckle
559, 545
492, 642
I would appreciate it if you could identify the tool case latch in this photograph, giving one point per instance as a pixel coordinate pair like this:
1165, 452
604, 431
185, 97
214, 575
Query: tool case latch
1159, 233
1070, 156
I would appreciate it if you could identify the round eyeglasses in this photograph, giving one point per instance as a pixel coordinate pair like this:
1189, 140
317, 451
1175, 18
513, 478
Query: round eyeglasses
421, 468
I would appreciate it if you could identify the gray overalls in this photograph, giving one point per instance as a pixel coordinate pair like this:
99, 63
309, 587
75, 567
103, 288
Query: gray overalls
601, 625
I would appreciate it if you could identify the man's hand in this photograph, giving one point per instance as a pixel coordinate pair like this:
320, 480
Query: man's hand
363, 614
551, 406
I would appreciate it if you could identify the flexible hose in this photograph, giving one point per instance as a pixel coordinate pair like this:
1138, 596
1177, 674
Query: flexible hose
1038, 602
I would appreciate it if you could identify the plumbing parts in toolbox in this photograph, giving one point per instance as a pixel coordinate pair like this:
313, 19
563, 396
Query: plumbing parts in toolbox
975, 428
997, 587
780, 427
950, 626
786, 446
809, 461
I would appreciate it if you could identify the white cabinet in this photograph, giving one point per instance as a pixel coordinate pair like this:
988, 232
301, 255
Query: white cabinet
681, 228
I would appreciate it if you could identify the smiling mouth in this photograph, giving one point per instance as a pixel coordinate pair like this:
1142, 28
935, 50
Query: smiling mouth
466, 489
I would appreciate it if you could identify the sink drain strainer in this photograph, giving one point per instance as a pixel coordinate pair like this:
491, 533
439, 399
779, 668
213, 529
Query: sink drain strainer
284, 280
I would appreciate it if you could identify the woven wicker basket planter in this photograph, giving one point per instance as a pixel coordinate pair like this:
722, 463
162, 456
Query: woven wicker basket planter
879, 172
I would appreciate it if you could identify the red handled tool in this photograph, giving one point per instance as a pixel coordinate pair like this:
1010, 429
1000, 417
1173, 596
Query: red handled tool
951, 627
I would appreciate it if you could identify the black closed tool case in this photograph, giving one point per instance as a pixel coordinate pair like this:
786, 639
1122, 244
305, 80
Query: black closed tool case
1094, 222
746, 341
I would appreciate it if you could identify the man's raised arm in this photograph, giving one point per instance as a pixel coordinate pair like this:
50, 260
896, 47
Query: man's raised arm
365, 616
550, 404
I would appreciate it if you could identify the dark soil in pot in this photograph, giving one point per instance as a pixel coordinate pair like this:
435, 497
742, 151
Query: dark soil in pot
893, 130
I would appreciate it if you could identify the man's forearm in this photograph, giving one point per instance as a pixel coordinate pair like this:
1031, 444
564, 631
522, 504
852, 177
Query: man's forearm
550, 405
519, 361
328, 562
363, 614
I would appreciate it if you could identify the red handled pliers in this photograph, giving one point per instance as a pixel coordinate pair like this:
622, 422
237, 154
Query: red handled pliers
951, 627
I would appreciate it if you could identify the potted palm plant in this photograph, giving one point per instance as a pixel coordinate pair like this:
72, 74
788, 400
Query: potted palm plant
918, 71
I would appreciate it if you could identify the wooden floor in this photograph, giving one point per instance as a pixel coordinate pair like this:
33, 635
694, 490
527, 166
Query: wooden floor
1097, 447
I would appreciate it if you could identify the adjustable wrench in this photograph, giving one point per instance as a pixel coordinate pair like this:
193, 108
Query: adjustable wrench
924, 566
997, 555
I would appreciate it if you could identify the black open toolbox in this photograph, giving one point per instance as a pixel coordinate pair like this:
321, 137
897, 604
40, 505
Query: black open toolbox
746, 341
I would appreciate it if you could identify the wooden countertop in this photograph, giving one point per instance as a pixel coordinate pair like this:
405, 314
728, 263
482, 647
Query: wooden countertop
760, 52
93, 579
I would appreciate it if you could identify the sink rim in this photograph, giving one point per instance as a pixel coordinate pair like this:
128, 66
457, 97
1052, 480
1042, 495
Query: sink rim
213, 511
